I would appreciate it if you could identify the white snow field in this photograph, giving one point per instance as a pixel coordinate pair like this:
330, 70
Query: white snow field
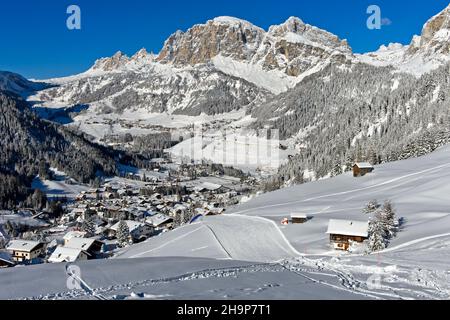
205, 259
221, 237
170, 278
58, 187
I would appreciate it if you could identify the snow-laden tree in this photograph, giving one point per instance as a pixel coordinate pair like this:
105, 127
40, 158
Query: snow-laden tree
357, 117
123, 234
371, 207
377, 234
388, 220
88, 226
382, 227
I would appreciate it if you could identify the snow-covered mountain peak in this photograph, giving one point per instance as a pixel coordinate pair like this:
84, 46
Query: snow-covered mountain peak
233, 22
292, 24
435, 37
294, 30
226, 36
425, 53
391, 47
17, 84
141, 55
292, 48
118, 60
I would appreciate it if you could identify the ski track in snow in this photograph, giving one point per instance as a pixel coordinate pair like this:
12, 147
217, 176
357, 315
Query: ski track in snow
381, 184
103, 293
410, 243
165, 244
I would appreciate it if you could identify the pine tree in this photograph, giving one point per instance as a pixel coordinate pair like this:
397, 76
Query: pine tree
372, 206
377, 234
123, 234
88, 226
9, 228
388, 220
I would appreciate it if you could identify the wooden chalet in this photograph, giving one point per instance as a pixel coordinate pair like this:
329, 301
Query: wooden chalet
360, 169
343, 232
25, 251
298, 218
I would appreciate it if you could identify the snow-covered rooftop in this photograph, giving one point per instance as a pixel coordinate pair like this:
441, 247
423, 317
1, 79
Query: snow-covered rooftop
64, 254
74, 234
158, 219
22, 245
348, 228
132, 225
364, 165
299, 215
80, 243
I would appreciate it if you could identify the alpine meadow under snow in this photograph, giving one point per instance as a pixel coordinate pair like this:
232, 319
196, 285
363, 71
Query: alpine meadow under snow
237, 163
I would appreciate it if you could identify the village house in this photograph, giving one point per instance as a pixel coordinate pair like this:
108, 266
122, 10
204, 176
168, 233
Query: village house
25, 251
138, 231
361, 169
65, 254
298, 218
6, 260
89, 245
344, 232
211, 188
73, 234
160, 221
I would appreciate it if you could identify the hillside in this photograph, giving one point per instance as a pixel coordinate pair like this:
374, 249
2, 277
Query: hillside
295, 261
417, 187
330, 106
28, 142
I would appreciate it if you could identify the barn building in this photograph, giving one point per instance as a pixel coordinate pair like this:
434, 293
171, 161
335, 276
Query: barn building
298, 218
361, 169
343, 232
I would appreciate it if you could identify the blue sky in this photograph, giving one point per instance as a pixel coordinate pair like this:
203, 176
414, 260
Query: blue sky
36, 43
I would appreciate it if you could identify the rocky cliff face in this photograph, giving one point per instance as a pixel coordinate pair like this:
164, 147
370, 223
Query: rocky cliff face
295, 47
292, 47
230, 37
435, 37
223, 65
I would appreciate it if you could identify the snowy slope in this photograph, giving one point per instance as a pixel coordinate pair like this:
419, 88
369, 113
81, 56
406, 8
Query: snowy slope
222, 237
288, 262
413, 266
239, 148
58, 187
170, 278
17, 84
418, 188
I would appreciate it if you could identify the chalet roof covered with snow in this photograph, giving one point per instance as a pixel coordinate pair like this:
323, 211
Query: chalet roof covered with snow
348, 228
364, 165
22, 245
299, 215
80, 243
132, 225
74, 234
158, 219
64, 254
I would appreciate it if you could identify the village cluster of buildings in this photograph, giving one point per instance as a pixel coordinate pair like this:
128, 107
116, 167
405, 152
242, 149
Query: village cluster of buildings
148, 208
157, 206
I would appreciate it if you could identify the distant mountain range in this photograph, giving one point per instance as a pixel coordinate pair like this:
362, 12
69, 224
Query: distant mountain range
332, 105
